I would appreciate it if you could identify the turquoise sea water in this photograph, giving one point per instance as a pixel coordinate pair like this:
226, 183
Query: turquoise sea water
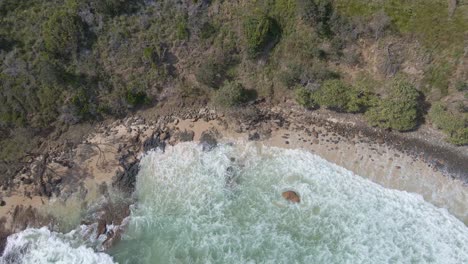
225, 206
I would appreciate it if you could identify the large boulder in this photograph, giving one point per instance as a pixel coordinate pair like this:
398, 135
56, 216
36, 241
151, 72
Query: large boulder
291, 196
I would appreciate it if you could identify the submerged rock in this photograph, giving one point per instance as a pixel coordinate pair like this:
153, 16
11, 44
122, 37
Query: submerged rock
125, 180
291, 196
101, 228
208, 141
154, 142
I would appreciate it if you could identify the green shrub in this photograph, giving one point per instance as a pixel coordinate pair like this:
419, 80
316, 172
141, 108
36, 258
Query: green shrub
290, 76
445, 120
113, 7
461, 86
259, 30
207, 30
82, 105
212, 72
304, 98
63, 33
452, 124
460, 137
335, 95
136, 98
400, 110
182, 31
231, 94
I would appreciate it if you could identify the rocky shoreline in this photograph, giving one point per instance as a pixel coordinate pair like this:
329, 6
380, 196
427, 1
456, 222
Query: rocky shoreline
101, 167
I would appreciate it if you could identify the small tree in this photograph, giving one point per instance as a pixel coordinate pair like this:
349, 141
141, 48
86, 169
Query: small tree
259, 30
333, 94
63, 33
231, 94
400, 110
336, 95
304, 98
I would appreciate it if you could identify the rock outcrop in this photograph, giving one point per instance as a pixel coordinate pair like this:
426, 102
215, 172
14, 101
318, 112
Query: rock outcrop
291, 196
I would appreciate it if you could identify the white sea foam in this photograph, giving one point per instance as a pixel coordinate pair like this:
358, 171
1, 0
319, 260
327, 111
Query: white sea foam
202, 207
41, 246
188, 212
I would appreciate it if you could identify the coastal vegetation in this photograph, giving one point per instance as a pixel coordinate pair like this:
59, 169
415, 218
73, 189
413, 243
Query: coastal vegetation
63, 62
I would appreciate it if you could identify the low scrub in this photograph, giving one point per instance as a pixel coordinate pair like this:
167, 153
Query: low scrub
231, 94
336, 95
259, 31
454, 125
400, 110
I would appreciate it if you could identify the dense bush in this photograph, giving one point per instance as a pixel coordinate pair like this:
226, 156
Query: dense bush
304, 98
63, 33
212, 72
400, 110
136, 98
451, 123
461, 86
231, 94
460, 137
336, 95
260, 30
318, 13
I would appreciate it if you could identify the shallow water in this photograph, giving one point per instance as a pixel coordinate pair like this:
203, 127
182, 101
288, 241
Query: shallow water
225, 206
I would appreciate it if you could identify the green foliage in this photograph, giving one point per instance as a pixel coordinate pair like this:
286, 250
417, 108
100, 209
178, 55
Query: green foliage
63, 33
460, 137
291, 75
231, 94
207, 30
260, 30
182, 31
304, 98
318, 13
428, 20
336, 95
461, 86
136, 98
214, 70
400, 110
113, 7
83, 106
454, 125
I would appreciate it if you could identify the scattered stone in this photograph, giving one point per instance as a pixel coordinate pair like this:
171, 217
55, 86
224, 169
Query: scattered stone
291, 196
397, 167
2, 203
286, 142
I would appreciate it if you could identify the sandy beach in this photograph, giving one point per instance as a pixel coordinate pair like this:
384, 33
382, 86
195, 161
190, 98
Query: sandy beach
104, 152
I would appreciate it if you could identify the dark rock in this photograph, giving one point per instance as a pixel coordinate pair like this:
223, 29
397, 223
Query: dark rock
186, 135
291, 196
254, 136
2, 203
153, 142
208, 141
126, 179
27, 181
101, 228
